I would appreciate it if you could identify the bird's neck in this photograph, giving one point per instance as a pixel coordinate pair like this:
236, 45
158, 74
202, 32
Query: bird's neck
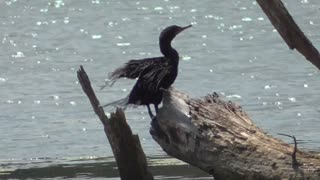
169, 52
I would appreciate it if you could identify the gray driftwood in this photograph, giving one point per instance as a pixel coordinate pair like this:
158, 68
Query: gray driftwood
220, 138
126, 146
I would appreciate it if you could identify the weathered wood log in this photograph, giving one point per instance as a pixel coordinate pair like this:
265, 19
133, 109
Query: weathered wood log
289, 30
220, 138
126, 146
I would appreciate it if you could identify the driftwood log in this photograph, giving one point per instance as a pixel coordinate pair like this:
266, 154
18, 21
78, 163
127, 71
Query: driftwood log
220, 138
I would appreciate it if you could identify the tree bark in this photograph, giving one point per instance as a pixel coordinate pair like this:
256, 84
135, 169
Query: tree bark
220, 138
289, 30
126, 146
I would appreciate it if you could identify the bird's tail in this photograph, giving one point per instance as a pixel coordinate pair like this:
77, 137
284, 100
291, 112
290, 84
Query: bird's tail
122, 103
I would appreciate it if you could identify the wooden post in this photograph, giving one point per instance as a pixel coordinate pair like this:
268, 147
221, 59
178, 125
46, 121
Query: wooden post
126, 146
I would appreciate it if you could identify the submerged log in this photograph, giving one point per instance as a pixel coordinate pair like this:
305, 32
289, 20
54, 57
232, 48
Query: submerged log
221, 139
126, 146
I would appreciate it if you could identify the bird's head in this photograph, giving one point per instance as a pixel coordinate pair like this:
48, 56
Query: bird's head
170, 32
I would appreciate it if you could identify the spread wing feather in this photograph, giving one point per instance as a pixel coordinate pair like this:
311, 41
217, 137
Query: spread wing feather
153, 76
132, 69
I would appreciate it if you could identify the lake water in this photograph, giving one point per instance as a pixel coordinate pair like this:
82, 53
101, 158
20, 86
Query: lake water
47, 126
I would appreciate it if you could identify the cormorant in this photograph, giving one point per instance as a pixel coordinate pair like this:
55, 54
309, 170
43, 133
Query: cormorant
154, 74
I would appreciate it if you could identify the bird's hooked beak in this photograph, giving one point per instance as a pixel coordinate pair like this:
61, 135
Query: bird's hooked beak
184, 28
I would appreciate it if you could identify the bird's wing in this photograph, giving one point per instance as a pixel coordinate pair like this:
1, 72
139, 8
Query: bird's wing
153, 75
132, 69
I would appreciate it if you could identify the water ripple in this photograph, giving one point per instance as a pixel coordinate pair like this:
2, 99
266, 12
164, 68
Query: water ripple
124, 44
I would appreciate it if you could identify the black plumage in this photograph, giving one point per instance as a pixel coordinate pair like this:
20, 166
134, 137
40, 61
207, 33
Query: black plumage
154, 74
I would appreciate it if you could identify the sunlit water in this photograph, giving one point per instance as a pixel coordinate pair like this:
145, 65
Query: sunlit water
46, 120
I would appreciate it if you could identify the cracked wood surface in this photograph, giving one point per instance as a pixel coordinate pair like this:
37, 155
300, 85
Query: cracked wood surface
221, 139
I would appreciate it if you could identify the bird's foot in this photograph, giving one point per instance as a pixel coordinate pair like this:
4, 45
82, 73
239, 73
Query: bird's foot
156, 131
154, 126
154, 118
150, 112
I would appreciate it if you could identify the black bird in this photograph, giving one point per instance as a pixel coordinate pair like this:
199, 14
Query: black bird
154, 74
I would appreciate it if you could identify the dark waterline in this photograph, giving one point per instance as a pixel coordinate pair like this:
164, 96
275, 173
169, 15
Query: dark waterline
161, 168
